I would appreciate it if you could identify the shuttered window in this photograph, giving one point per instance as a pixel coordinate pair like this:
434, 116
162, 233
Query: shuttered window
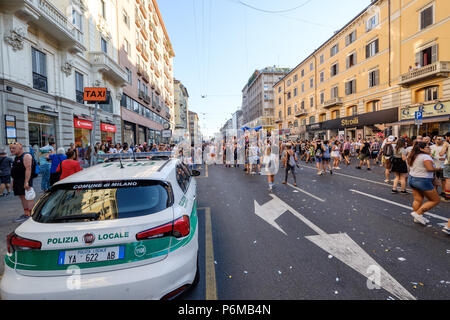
372, 49
374, 78
350, 87
426, 17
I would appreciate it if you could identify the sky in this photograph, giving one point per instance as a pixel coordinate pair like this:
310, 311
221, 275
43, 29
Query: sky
218, 44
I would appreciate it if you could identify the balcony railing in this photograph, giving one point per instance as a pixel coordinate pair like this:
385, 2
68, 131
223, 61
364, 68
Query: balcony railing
300, 113
109, 67
333, 103
40, 82
52, 21
278, 120
434, 70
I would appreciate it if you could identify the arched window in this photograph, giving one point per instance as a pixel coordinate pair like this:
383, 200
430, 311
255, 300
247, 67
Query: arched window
323, 117
352, 111
373, 106
336, 114
312, 120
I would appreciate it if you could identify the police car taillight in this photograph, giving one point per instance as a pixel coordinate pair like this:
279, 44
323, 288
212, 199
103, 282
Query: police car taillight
179, 228
14, 242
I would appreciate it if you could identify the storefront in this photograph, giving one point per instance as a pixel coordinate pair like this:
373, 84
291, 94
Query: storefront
435, 120
364, 126
129, 133
316, 131
41, 129
141, 135
82, 130
108, 132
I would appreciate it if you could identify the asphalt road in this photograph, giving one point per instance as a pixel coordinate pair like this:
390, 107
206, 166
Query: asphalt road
255, 260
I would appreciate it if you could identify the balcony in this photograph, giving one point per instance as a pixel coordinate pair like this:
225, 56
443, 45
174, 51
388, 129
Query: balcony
138, 19
278, 120
144, 97
108, 67
300, 113
50, 20
335, 102
439, 69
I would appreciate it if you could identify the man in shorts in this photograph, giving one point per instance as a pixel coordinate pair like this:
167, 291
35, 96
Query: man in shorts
5, 173
21, 173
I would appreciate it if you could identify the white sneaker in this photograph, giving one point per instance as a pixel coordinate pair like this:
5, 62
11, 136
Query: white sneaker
446, 230
387, 181
337, 168
319, 173
420, 218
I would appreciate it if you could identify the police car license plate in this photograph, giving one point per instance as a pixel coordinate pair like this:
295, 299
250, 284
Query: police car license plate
91, 255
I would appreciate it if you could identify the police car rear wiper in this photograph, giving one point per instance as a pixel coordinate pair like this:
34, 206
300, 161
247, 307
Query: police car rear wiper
90, 216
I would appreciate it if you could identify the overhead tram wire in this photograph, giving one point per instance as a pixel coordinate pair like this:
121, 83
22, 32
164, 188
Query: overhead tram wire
273, 11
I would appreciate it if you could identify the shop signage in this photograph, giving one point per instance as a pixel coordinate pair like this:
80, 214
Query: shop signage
108, 127
83, 124
95, 94
167, 133
366, 119
10, 127
428, 111
350, 122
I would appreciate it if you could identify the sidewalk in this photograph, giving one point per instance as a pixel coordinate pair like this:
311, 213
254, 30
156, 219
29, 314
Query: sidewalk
11, 209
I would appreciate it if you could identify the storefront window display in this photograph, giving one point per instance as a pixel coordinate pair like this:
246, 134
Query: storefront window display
82, 131
41, 129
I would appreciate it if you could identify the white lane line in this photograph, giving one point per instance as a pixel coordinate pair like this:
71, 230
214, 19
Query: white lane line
398, 204
353, 177
305, 192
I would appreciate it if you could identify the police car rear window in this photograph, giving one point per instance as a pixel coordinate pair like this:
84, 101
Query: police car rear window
102, 201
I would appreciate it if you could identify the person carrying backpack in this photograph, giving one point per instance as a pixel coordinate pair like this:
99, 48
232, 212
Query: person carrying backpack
364, 155
290, 161
388, 153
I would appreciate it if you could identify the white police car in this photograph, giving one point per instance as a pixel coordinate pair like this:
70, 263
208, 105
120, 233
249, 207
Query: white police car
118, 230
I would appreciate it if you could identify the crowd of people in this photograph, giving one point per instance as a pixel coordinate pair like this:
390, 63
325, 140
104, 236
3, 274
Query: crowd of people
423, 163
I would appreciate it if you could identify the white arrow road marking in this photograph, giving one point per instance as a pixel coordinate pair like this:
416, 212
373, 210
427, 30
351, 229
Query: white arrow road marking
348, 251
398, 204
339, 245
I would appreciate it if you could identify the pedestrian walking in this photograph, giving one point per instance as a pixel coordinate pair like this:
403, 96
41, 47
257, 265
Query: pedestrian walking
335, 154
289, 163
270, 165
347, 148
45, 166
326, 157
388, 151
318, 154
421, 170
69, 166
22, 175
439, 161
399, 166
5, 173
55, 160
364, 155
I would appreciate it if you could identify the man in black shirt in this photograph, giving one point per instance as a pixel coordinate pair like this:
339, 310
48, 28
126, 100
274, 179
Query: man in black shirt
22, 179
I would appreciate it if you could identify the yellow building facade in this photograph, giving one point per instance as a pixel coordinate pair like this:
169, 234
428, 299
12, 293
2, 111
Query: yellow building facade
371, 77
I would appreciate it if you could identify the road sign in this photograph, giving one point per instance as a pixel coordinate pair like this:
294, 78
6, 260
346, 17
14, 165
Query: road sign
95, 94
418, 117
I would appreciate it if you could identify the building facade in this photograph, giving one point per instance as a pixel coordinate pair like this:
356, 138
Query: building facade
50, 51
371, 76
258, 97
146, 53
194, 128
181, 103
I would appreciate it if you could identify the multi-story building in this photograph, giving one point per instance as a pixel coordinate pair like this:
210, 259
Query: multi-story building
194, 128
146, 53
49, 51
371, 76
181, 103
258, 97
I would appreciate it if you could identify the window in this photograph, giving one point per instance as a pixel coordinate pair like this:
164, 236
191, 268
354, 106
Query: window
334, 50
431, 93
334, 69
372, 49
126, 19
77, 20
312, 120
352, 111
103, 7
279, 114
304, 122
311, 66
289, 110
79, 87
303, 72
126, 46
279, 100
322, 59
427, 56
334, 92
374, 78
351, 60
303, 87
350, 87
104, 45
39, 70
336, 114
373, 106
289, 83
372, 22
311, 102
426, 17
295, 78
295, 92
350, 38
311, 82
323, 117
279, 89
322, 76
289, 95
322, 97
